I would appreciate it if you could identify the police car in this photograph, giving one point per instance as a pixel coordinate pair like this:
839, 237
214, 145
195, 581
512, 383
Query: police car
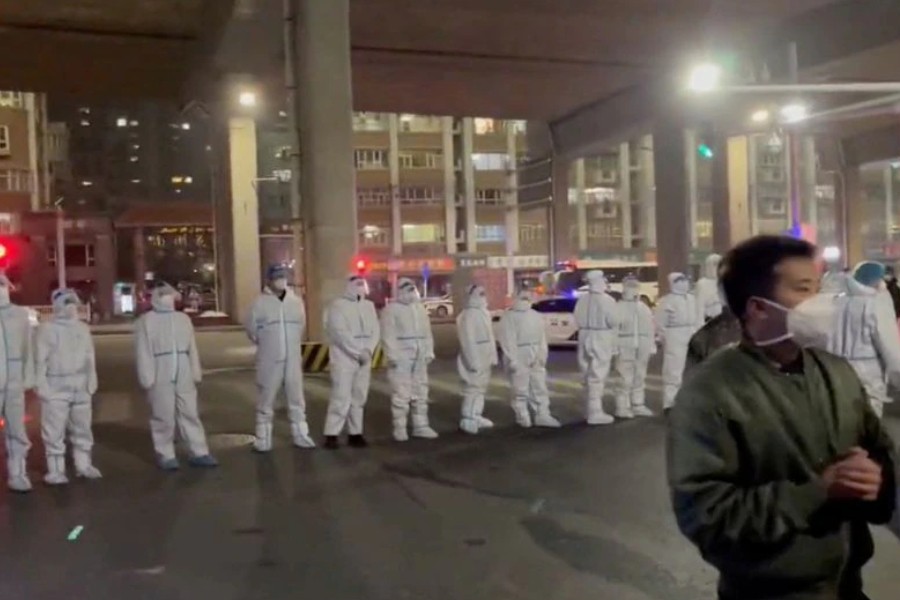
559, 319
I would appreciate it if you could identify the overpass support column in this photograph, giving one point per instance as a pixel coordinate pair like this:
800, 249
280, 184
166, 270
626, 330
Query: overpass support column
731, 220
645, 191
853, 215
672, 201
561, 243
326, 144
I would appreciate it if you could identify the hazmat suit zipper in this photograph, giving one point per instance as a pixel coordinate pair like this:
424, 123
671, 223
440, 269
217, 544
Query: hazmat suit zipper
174, 349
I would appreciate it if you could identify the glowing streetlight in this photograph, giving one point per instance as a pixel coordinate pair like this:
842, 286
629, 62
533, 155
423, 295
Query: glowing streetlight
705, 78
794, 113
760, 116
831, 254
247, 99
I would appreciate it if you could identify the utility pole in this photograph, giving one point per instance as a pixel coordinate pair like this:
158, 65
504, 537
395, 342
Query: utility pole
60, 244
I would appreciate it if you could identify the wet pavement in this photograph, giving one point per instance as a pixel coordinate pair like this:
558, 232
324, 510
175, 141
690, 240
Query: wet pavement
512, 514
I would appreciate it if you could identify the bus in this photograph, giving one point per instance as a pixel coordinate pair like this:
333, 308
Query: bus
571, 279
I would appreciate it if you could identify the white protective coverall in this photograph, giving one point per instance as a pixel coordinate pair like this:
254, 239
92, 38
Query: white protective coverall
866, 334
477, 356
595, 315
275, 324
66, 379
709, 303
351, 327
676, 320
523, 340
637, 343
16, 376
169, 370
409, 348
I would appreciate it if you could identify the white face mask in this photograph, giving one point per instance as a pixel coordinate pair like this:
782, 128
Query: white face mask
479, 300
810, 324
408, 295
167, 302
70, 311
681, 287
280, 284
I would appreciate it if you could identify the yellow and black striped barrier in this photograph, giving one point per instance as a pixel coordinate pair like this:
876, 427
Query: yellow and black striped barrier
315, 357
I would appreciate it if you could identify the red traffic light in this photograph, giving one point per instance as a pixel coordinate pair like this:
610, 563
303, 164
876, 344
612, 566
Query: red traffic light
362, 265
4, 252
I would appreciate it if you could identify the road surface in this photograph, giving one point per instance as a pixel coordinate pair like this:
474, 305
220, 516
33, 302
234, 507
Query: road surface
512, 514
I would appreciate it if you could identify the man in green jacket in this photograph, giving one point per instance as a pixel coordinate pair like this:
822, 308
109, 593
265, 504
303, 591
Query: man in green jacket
718, 332
776, 461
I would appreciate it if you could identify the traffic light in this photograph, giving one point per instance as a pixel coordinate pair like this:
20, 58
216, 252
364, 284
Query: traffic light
8, 252
4, 251
705, 151
361, 266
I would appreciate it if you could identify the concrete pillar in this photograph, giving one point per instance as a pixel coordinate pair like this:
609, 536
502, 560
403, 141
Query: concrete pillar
512, 211
243, 276
449, 183
105, 253
752, 182
580, 206
140, 257
647, 190
560, 245
468, 178
672, 206
394, 165
889, 203
730, 189
625, 193
853, 215
690, 158
808, 180
326, 127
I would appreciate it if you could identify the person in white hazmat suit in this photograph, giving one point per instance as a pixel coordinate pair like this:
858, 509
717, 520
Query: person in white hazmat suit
595, 315
523, 340
352, 330
477, 357
706, 291
169, 370
66, 380
16, 376
865, 333
637, 343
275, 324
409, 349
677, 318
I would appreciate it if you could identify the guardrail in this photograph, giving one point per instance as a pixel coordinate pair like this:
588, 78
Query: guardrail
316, 357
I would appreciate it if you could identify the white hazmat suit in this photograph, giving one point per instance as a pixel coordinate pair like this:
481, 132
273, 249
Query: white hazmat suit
866, 334
637, 343
409, 348
169, 370
523, 341
477, 356
66, 380
351, 326
709, 302
595, 315
16, 376
276, 324
676, 320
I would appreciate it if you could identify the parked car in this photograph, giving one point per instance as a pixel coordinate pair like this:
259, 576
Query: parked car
440, 308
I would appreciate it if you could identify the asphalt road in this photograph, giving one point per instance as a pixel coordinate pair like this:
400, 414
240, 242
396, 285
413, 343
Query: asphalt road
511, 514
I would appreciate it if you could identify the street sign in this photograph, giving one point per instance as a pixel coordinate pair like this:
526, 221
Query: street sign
426, 271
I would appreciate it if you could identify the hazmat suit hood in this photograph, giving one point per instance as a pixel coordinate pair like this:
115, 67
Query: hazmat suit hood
164, 297
679, 284
596, 281
277, 276
65, 305
870, 273
407, 293
631, 288
476, 297
357, 288
852, 287
711, 266
523, 301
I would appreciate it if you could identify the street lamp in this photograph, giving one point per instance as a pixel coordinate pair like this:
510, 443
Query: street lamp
794, 112
705, 77
760, 116
247, 99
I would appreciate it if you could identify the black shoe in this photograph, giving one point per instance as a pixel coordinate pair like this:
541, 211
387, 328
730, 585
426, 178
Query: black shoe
331, 442
357, 441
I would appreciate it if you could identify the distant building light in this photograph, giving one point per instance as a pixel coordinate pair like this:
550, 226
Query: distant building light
135, 181
133, 123
85, 110
177, 179
794, 113
87, 183
85, 123
136, 146
133, 158
209, 148
178, 191
247, 99
186, 126
121, 122
189, 179
760, 116
282, 114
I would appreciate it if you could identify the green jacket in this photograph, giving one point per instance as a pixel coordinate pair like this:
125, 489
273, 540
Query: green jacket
716, 333
747, 444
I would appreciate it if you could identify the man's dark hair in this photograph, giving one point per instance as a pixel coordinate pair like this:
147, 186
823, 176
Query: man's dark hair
748, 269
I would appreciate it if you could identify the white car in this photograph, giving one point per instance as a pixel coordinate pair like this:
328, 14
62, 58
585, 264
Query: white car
440, 308
559, 320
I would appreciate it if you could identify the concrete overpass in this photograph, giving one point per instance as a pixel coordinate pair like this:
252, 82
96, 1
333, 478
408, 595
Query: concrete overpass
592, 73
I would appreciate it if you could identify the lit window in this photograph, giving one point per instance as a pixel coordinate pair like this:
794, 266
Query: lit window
483, 126
133, 123
186, 126
135, 181
423, 234
373, 197
489, 196
85, 123
85, 110
87, 183
178, 191
121, 122
373, 235
490, 233
4, 141
370, 159
177, 179
133, 158
135, 146
489, 161
189, 179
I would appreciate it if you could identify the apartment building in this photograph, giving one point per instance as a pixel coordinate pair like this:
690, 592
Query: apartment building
24, 181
